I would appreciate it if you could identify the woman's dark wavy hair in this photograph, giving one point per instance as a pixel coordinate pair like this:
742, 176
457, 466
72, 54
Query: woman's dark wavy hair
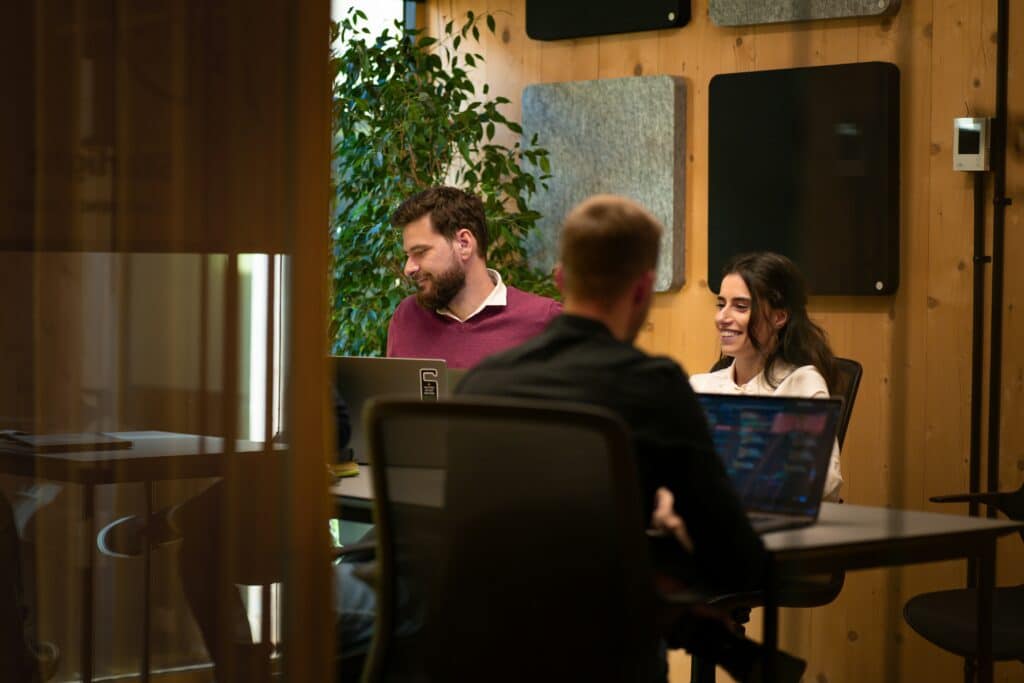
776, 283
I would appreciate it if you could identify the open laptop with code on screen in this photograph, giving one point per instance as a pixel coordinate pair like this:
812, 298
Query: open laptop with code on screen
776, 451
358, 379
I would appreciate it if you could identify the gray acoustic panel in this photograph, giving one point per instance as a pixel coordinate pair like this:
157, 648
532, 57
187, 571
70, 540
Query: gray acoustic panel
623, 136
749, 12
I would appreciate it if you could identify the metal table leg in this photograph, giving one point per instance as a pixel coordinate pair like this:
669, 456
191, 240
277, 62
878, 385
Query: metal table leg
986, 586
771, 623
146, 590
85, 638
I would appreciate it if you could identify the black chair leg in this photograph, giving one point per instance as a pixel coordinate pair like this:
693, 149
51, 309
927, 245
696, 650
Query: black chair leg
702, 670
969, 670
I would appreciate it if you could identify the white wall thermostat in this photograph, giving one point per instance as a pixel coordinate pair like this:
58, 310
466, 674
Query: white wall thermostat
970, 144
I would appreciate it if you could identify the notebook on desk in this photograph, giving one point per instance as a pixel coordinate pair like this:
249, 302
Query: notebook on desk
359, 379
776, 451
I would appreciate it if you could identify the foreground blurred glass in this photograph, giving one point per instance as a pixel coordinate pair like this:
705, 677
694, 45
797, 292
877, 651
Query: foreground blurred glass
155, 169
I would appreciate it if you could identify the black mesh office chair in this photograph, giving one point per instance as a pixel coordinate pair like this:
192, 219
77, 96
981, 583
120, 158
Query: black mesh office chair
846, 374
21, 657
949, 618
509, 544
808, 591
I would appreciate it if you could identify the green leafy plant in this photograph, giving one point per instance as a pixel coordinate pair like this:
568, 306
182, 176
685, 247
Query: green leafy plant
407, 116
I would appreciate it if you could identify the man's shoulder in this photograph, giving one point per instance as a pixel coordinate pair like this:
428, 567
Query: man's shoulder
521, 298
804, 381
408, 308
490, 373
405, 303
662, 368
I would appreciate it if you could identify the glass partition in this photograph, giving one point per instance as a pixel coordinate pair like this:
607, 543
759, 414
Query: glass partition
163, 397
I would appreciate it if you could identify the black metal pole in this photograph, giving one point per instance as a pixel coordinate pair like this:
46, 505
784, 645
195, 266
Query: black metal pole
977, 357
977, 340
998, 230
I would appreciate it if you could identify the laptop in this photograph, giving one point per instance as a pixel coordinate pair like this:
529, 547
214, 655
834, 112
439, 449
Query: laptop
455, 376
359, 379
776, 451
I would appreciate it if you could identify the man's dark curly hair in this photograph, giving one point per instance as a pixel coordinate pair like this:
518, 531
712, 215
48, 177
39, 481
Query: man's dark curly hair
450, 210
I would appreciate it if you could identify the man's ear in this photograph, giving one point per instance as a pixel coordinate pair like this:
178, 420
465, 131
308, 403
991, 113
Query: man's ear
465, 242
643, 288
559, 278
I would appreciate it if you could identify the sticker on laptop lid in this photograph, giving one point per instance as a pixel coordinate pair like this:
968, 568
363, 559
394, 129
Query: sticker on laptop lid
429, 385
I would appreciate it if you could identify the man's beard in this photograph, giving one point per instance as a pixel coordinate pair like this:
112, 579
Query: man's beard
445, 287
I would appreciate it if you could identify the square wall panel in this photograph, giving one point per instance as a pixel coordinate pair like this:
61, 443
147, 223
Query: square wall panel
622, 136
806, 162
750, 12
560, 19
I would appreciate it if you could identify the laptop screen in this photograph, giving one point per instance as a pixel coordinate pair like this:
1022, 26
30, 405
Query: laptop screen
776, 450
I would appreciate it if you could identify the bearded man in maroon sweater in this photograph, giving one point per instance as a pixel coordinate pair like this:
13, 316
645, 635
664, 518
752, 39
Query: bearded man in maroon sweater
462, 312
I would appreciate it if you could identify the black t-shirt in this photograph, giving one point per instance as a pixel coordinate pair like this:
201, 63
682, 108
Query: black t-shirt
578, 359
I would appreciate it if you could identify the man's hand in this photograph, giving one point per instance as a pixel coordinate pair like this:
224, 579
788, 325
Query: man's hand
665, 519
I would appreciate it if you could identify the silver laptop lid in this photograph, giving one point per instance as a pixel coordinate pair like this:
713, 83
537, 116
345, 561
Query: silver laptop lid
359, 379
455, 376
776, 450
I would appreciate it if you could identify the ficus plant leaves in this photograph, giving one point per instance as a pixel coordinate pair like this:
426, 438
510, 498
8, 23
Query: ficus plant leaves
408, 116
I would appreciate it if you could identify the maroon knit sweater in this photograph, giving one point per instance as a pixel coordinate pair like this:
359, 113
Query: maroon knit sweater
418, 333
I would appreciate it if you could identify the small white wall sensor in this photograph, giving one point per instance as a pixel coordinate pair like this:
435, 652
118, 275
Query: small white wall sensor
970, 144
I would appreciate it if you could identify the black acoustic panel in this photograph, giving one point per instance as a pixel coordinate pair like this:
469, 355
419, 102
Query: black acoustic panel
805, 162
557, 19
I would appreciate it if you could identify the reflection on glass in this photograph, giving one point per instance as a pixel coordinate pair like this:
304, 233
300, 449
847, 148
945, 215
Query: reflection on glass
147, 204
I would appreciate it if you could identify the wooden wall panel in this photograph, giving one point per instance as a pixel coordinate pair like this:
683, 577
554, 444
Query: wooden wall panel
910, 430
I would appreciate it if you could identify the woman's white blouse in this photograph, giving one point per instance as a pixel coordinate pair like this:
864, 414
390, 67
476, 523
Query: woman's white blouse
802, 382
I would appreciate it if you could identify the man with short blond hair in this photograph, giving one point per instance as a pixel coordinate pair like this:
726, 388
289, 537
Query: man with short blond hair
606, 242
608, 255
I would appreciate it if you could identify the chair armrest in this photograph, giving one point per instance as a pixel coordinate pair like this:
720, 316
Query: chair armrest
686, 597
730, 601
990, 498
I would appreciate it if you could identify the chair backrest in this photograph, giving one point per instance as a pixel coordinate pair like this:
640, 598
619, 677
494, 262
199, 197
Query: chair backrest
1011, 504
846, 375
722, 363
511, 544
844, 383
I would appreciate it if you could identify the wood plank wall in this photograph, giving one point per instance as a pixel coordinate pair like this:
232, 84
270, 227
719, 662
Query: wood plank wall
909, 435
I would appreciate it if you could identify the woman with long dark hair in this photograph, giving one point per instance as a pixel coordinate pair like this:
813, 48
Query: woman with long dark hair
769, 346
